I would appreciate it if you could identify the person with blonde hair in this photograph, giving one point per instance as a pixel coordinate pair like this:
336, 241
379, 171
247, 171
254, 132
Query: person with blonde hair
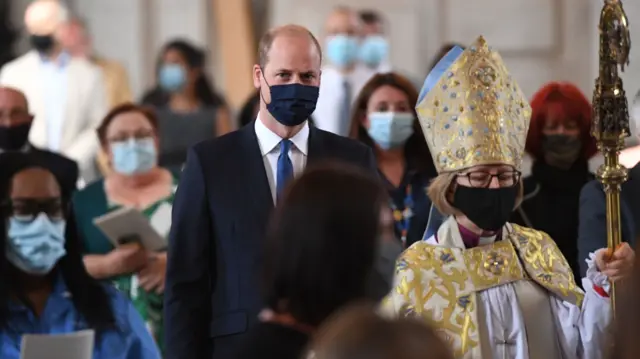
494, 289
359, 333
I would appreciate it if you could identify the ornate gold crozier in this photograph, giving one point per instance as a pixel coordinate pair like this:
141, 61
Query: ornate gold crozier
611, 115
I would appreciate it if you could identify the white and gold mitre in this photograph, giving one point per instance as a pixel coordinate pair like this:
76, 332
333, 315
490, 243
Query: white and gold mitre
472, 112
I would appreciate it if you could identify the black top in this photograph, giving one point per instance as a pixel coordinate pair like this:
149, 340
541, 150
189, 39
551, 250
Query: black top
179, 131
273, 341
551, 204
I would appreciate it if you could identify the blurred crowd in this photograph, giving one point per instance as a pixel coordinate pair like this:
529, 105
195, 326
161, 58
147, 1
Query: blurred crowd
426, 226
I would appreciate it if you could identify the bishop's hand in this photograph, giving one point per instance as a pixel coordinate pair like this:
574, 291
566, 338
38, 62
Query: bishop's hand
618, 265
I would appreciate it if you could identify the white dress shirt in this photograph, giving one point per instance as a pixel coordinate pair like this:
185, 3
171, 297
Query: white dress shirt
269, 143
327, 114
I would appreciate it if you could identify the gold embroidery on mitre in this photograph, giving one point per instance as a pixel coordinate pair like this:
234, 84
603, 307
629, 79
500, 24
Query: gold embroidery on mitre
476, 113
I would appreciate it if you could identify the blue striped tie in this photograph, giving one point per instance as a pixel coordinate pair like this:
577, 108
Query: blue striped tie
285, 167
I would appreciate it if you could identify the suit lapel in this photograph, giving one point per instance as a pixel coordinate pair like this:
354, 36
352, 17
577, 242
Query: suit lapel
255, 178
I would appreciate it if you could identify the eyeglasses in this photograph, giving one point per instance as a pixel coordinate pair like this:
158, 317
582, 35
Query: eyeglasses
479, 179
28, 209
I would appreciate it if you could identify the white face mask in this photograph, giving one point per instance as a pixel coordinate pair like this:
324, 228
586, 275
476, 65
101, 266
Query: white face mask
390, 129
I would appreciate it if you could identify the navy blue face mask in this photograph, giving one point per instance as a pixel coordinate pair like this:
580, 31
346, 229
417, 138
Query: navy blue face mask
292, 104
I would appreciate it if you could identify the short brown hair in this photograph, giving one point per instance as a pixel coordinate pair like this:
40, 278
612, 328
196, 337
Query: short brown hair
441, 189
359, 333
147, 112
267, 40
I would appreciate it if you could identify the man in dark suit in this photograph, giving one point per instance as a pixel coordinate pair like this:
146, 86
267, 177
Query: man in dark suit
15, 123
592, 230
227, 190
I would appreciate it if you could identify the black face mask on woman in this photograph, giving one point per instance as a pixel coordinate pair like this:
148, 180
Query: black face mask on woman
561, 150
487, 208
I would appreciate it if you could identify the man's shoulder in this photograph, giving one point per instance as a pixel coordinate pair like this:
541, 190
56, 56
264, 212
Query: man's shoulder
26, 58
227, 144
11, 70
341, 143
592, 189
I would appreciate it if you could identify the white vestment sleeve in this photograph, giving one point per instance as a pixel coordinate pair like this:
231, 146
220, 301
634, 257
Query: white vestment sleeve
583, 330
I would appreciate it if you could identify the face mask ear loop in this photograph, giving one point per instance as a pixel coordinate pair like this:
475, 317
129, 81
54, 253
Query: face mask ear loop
260, 89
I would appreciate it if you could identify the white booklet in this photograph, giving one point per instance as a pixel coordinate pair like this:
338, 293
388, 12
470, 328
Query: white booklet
128, 222
78, 345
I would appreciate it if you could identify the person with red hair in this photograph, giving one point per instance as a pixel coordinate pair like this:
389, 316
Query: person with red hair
560, 144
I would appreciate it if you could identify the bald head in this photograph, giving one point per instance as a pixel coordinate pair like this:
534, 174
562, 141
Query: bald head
342, 21
12, 98
15, 120
286, 33
45, 17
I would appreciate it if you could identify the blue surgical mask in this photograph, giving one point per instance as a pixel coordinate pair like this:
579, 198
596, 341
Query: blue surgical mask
390, 129
342, 50
374, 50
172, 77
35, 245
292, 104
134, 156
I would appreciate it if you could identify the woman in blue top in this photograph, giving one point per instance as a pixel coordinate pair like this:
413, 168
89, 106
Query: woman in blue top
44, 287
385, 119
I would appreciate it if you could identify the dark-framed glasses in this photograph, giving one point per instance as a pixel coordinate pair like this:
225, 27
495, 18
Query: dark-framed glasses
28, 209
480, 179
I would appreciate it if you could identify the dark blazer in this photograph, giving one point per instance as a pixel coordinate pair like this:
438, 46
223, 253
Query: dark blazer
220, 216
65, 169
592, 229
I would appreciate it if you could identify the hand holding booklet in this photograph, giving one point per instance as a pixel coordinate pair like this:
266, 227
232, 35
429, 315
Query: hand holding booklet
126, 223
78, 345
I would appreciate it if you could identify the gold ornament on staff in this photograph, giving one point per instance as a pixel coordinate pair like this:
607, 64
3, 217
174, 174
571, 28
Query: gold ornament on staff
611, 115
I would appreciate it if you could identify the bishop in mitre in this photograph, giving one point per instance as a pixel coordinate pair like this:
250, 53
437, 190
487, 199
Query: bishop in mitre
491, 288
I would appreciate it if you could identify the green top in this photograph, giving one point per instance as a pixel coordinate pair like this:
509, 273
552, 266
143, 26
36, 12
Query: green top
90, 203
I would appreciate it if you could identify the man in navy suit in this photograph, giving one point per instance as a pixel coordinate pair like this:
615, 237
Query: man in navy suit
227, 190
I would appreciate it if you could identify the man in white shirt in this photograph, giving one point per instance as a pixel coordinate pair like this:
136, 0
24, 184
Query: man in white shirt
344, 75
227, 190
66, 94
374, 49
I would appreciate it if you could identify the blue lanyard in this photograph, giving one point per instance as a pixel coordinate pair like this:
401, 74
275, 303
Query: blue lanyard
402, 217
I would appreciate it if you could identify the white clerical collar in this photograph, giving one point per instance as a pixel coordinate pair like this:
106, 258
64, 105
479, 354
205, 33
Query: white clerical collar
268, 140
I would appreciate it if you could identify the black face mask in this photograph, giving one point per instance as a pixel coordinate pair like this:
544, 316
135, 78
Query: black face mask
14, 138
292, 104
42, 43
487, 208
561, 150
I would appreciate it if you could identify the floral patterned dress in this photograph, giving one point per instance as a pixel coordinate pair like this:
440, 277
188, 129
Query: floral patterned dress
90, 203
